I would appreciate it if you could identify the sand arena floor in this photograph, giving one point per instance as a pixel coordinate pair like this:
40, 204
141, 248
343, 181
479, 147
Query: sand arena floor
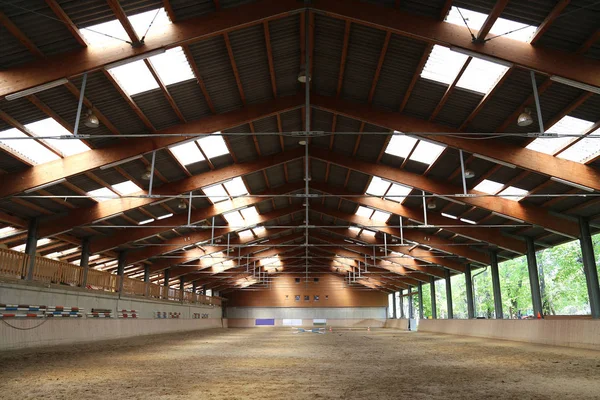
276, 364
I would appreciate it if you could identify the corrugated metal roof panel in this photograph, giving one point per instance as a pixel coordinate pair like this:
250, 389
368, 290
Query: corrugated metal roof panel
337, 176
156, 107
364, 48
424, 98
295, 170
291, 121
85, 13
429, 8
61, 190
504, 101
458, 107
185, 9
371, 145
285, 47
106, 98
214, 67
268, 144
255, 182
344, 144
250, 53
317, 170
321, 121
63, 103
234, 3
190, 100
329, 41
589, 110
22, 110
594, 51
358, 182
10, 164
39, 23
578, 21
276, 175
13, 52
167, 165
401, 60
242, 145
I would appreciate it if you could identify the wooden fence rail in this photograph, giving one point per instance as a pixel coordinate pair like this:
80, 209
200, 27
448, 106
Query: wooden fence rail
14, 265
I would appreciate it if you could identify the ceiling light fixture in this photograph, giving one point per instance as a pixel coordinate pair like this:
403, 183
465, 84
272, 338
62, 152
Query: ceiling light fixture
525, 118
302, 75
182, 205
147, 174
431, 204
36, 89
469, 173
91, 120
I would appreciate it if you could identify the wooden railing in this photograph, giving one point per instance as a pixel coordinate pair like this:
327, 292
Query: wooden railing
14, 264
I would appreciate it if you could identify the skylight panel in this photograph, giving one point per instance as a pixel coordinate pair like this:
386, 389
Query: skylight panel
40, 243
126, 188
234, 218
513, 193
102, 194
95, 35
213, 146
380, 216
246, 234
397, 193
49, 127
400, 145
566, 126
236, 187
502, 26
481, 75
141, 21
249, 214
8, 231
354, 229
215, 193
187, 153
489, 187
426, 152
172, 66
270, 260
474, 19
368, 232
364, 212
584, 150
443, 65
134, 77
27, 149
259, 231
378, 186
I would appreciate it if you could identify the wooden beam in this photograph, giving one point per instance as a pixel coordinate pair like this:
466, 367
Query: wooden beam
512, 118
495, 148
169, 9
62, 15
75, 92
491, 19
236, 74
484, 100
527, 213
127, 148
190, 59
270, 57
164, 90
416, 76
20, 36
116, 8
449, 90
138, 111
549, 20
589, 42
343, 58
384, 48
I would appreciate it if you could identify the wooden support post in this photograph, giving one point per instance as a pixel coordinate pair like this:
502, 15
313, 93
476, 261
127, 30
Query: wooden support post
469, 289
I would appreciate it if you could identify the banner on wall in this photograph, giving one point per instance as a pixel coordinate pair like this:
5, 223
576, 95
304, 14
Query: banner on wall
319, 322
292, 322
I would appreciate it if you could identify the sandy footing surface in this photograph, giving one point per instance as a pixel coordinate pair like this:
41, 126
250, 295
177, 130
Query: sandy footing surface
277, 364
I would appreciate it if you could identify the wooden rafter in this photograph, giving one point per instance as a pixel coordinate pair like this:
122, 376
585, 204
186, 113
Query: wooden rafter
549, 20
62, 15
165, 91
491, 19
449, 90
20, 36
415, 76
118, 11
384, 48
343, 58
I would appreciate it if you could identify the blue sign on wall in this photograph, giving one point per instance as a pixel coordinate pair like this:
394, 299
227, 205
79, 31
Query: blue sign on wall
264, 322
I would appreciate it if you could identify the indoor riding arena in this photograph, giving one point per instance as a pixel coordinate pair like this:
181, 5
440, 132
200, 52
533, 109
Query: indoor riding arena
299, 199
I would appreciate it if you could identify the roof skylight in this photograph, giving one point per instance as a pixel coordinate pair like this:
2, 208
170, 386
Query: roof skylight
40, 243
426, 152
187, 153
378, 186
235, 187
364, 212
397, 193
27, 149
502, 26
213, 146
234, 218
400, 145
134, 77
513, 193
481, 75
489, 187
246, 234
566, 126
8, 231
141, 21
380, 216
584, 150
172, 66
102, 194
216, 193
126, 187
49, 127
443, 65
242, 218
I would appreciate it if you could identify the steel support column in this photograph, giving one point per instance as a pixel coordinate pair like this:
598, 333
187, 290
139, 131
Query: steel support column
433, 303
181, 288
411, 313
589, 267
420, 300
496, 284
394, 311
31, 246
469, 287
448, 293
84, 262
166, 278
534, 278
121, 269
147, 278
